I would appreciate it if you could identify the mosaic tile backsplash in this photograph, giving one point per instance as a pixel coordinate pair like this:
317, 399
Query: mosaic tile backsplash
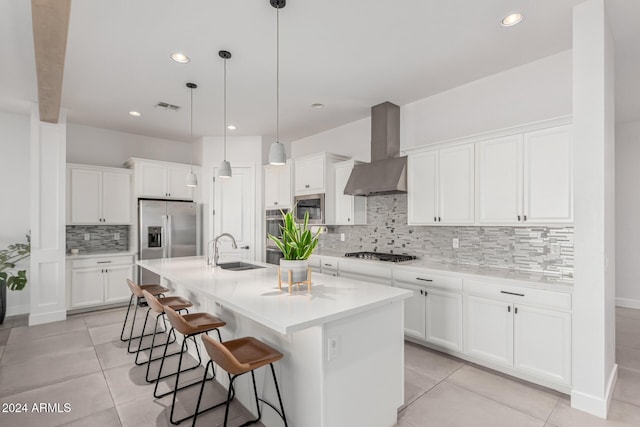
100, 238
517, 248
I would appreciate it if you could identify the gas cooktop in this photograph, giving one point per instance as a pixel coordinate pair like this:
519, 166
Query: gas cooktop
377, 256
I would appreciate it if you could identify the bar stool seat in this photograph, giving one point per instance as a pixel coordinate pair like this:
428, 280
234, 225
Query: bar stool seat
176, 303
136, 291
238, 357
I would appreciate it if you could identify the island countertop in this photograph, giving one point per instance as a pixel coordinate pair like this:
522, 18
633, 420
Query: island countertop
255, 294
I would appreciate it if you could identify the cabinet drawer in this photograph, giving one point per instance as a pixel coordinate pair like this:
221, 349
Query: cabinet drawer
516, 294
421, 277
102, 261
364, 268
328, 263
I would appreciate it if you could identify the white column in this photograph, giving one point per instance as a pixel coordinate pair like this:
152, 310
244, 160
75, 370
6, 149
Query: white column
594, 368
47, 273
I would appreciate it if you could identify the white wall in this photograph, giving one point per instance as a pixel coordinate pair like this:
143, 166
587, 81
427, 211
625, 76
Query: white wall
627, 209
352, 140
15, 175
103, 147
531, 92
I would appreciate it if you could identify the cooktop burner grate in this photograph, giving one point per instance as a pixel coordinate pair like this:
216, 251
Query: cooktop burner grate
377, 256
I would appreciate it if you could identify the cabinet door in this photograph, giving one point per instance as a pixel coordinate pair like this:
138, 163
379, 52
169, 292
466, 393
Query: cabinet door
499, 165
421, 188
309, 175
489, 330
284, 186
543, 343
456, 185
177, 183
115, 284
444, 319
86, 196
87, 287
116, 198
271, 187
153, 180
414, 311
548, 176
344, 203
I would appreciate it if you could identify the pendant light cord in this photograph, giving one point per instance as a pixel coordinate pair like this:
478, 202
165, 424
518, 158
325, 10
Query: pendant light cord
191, 130
225, 109
278, 75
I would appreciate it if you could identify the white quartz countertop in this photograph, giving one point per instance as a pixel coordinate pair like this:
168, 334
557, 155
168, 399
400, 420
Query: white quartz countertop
98, 254
255, 294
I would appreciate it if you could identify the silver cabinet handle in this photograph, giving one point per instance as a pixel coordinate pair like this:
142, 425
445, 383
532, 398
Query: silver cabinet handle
244, 247
424, 280
103, 262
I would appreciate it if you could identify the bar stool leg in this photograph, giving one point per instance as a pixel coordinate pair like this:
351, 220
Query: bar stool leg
275, 381
126, 317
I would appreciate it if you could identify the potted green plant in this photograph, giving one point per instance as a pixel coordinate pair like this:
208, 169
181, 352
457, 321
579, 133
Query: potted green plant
11, 278
296, 243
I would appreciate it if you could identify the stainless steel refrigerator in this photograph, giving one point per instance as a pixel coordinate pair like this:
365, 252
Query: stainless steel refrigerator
167, 229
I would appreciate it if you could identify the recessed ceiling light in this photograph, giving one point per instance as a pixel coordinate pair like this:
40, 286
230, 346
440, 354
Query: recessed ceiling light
135, 113
511, 19
317, 106
180, 57
231, 127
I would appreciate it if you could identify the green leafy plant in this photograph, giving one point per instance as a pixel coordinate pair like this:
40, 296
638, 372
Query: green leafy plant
14, 279
297, 241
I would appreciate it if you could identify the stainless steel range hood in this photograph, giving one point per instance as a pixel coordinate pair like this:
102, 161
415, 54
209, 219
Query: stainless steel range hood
387, 173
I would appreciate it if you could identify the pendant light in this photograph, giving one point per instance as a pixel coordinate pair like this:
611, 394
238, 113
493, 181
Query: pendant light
192, 180
224, 171
277, 154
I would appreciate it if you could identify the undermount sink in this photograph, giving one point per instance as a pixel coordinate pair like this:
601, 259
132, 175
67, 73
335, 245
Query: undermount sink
238, 266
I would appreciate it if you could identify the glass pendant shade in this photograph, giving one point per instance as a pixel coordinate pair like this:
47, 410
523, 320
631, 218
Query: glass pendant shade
224, 171
192, 180
277, 154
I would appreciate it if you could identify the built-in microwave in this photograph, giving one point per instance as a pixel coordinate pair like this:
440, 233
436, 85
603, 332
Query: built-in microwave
312, 203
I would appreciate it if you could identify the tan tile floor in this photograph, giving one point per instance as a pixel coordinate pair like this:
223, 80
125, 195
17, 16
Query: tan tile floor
81, 361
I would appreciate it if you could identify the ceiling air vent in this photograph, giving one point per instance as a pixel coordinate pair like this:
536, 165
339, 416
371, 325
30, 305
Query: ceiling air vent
167, 106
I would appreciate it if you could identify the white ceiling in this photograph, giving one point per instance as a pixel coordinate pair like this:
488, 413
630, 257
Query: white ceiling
348, 55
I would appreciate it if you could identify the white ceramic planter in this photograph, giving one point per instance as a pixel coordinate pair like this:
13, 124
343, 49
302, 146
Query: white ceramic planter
298, 269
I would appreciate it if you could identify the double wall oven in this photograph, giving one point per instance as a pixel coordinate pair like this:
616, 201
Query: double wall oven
273, 222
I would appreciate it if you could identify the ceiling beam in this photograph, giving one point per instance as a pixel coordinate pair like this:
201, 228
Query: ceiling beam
50, 19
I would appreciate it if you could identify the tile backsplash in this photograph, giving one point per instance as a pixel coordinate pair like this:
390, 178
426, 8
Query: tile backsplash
100, 238
518, 248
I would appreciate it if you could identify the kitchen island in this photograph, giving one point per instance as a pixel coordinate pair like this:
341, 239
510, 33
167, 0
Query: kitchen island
343, 342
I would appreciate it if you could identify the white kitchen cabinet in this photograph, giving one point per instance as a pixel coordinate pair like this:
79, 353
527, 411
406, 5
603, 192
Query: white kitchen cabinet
527, 330
434, 313
440, 186
277, 186
526, 178
99, 281
162, 179
98, 195
314, 174
350, 210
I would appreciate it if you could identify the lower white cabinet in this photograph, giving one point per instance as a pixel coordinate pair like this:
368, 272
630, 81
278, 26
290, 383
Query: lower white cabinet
99, 281
528, 330
434, 313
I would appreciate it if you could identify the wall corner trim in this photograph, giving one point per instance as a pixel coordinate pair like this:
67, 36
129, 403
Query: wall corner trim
592, 404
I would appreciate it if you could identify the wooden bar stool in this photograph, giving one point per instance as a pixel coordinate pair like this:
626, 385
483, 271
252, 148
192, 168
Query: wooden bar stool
136, 291
189, 325
238, 357
158, 305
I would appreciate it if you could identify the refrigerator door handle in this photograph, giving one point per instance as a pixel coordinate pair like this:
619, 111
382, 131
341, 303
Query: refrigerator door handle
169, 232
163, 235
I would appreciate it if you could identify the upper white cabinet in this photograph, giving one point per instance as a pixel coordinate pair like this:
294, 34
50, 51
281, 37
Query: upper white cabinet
98, 195
350, 210
277, 186
526, 178
162, 179
441, 186
314, 173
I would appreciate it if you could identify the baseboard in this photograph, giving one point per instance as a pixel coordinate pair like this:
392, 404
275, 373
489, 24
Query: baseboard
628, 303
52, 316
595, 405
17, 310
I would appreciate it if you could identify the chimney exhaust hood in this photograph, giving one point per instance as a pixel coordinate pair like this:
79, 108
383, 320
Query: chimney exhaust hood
387, 173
